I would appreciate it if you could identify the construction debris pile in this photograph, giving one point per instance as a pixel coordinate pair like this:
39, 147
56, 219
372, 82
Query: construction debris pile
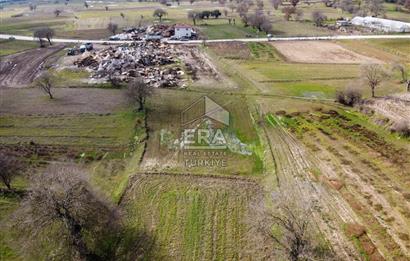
155, 62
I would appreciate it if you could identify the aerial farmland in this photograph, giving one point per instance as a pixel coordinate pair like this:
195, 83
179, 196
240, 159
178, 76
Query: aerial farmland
205, 130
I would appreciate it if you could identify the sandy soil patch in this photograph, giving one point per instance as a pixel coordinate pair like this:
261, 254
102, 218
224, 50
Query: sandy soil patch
67, 101
320, 52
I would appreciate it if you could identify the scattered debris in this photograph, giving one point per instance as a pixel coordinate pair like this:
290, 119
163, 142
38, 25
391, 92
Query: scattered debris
149, 60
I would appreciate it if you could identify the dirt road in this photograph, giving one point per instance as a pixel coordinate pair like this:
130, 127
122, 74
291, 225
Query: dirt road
19, 70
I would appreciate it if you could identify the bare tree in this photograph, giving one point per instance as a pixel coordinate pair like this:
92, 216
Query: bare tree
138, 91
374, 74
10, 167
42, 33
45, 83
407, 4
293, 232
294, 3
348, 6
86, 4
318, 17
288, 11
193, 15
259, 21
159, 12
62, 203
32, 7
57, 12
404, 75
349, 97
375, 7
112, 27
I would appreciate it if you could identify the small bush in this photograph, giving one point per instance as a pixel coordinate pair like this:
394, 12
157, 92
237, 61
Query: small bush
402, 128
349, 97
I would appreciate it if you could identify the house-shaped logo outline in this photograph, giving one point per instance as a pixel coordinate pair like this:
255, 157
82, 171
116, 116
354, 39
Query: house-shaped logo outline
210, 109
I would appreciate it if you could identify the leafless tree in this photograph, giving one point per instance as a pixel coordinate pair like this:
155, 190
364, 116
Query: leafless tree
404, 75
374, 7
61, 204
106, 8
374, 74
57, 12
349, 97
194, 16
10, 167
294, 3
318, 17
44, 32
293, 232
159, 12
86, 4
112, 27
32, 7
288, 11
407, 4
45, 83
259, 21
138, 92
348, 6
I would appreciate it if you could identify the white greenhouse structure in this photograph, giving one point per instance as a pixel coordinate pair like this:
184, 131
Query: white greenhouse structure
385, 25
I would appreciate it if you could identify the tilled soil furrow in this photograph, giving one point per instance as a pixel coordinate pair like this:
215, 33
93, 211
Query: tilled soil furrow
328, 210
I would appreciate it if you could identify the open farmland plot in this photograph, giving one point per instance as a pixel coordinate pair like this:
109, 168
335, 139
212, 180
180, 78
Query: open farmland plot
197, 217
258, 68
320, 52
8, 47
164, 116
361, 164
77, 120
19, 70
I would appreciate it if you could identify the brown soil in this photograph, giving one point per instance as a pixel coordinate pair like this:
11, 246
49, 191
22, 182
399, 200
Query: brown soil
67, 101
320, 52
396, 107
19, 70
234, 50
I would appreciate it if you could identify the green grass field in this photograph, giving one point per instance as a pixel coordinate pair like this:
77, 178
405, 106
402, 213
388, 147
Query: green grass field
114, 130
165, 114
193, 218
8, 47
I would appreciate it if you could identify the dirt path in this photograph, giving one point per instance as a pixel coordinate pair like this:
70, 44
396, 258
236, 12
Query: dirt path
329, 211
19, 70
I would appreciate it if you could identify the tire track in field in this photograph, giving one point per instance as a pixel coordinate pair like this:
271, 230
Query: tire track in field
329, 211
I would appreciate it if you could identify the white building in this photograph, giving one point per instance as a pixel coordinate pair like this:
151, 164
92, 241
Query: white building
183, 31
385, 25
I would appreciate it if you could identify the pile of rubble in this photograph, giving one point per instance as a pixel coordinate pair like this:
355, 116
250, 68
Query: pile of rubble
155, 62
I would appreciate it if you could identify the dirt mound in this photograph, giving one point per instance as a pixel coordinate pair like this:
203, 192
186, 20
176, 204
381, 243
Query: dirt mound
320, 52
19, 70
